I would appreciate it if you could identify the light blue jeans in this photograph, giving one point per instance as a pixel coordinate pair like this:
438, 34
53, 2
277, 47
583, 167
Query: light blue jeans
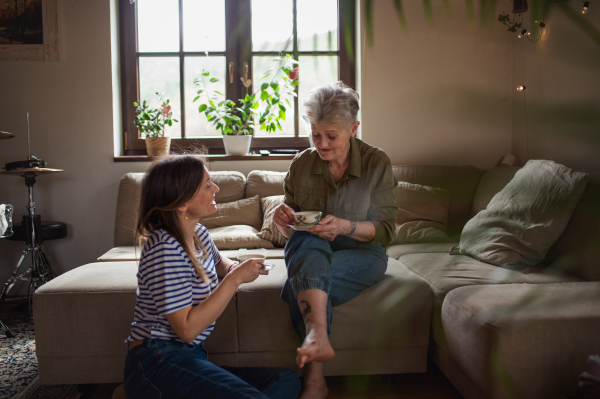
342, 268
170, 369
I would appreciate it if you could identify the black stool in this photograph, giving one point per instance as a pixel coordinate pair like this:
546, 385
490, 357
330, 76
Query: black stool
49, 231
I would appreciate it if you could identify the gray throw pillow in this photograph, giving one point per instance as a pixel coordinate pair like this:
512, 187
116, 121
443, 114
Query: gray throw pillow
526, 217
422, 214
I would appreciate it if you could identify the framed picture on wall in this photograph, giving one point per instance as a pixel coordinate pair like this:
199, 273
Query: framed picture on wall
29, 30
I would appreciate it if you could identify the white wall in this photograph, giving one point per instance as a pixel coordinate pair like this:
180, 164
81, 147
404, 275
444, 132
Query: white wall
562, 76
440, 95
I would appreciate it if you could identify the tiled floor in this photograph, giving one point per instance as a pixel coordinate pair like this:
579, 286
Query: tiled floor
430, 385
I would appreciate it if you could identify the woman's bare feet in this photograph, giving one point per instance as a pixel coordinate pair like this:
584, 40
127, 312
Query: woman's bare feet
315, 348
314, 386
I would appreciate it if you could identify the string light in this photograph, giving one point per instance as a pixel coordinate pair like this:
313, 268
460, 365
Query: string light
586, 4
521, 88
523, 33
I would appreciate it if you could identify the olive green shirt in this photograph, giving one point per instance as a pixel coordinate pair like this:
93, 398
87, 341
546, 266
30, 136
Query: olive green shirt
367, 191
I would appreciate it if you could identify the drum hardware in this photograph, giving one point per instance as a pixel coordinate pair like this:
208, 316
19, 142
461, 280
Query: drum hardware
6, 231
39, 271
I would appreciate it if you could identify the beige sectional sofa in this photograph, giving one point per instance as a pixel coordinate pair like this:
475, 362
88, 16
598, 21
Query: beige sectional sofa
494, 332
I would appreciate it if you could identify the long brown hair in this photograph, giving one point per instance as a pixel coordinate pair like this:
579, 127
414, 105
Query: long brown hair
170, 183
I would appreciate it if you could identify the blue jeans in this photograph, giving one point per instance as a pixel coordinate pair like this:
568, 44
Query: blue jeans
342, 268
169, 369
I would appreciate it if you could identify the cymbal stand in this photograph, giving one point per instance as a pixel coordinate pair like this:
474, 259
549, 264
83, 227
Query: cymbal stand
39, 270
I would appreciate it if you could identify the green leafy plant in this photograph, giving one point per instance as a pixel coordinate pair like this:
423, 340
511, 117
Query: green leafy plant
152, 121
265, 104
512, 24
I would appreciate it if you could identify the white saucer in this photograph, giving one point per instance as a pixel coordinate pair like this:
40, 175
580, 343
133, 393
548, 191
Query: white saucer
301, 227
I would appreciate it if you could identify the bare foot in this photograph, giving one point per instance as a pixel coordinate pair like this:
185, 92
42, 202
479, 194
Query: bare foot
314, 391
315, 348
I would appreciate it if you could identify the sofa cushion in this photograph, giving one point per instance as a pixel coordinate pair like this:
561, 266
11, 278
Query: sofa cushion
231, 188
128, 253
444, 272
238, 236
462, 182
395, 251
244, 211
393, 313
269, 230
522, 221
264, 183
491, 183
536, 337
577, 250
422, 213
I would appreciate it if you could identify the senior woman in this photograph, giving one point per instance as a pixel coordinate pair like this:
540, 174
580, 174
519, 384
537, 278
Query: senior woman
352, 183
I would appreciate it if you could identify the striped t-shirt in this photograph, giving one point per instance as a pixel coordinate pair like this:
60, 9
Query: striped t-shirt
167, 282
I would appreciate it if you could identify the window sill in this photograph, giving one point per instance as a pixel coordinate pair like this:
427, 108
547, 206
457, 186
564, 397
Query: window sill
212, 158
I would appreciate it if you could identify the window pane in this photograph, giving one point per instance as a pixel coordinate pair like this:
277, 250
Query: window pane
161, 74
315, 71
272, 25
196, 123
259, 66
203, 25
317, 31
158, 25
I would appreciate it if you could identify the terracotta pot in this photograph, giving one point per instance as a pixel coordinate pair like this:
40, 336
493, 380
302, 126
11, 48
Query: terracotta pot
237, 145
157, 146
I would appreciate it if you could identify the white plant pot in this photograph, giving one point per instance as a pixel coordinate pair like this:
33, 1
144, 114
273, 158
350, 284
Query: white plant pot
237, 145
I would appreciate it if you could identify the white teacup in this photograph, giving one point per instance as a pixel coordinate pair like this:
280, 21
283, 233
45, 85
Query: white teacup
307, 218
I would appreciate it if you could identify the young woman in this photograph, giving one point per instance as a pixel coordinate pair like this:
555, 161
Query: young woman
179, 295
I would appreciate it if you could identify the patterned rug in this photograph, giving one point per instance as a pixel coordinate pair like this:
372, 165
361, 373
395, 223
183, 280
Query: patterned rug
18, 362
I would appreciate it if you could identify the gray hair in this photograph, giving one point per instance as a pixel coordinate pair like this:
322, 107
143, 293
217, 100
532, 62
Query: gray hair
332, 103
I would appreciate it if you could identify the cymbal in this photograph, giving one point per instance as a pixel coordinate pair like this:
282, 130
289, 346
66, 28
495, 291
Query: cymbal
30, 171
6, 135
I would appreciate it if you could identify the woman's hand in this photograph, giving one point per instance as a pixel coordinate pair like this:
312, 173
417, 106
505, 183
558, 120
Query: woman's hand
283, 217
248, 270
330, 227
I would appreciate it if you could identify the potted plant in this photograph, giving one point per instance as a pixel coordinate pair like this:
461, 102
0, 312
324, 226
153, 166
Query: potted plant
151, 122
236, 121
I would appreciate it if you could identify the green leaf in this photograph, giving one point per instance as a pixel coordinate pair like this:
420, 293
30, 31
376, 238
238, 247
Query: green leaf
200, 91
282, 114
196, 98
214, 80
268, 72
264, 87
202, 107
279, 126
247, 98
205, 73
295, 83
219, 93
264, 95
275, 86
